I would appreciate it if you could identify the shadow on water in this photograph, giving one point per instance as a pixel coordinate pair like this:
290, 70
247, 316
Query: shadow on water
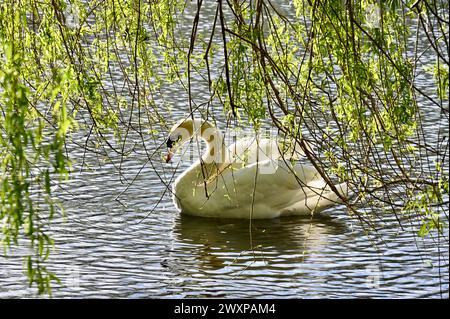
217, 243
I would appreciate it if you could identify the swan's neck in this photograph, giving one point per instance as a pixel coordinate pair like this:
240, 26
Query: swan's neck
216, 151
213, 160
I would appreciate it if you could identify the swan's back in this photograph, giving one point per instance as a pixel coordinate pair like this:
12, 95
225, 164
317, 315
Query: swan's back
256, 150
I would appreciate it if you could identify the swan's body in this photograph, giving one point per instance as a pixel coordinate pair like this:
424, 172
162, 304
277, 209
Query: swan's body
249, 179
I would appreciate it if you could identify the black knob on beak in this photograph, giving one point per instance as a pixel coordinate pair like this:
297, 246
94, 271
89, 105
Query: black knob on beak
169, 143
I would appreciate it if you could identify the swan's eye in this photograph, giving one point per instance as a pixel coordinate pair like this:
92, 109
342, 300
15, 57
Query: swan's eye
170, 143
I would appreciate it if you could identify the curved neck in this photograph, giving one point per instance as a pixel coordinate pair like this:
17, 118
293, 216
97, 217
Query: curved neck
213, 159
216, 151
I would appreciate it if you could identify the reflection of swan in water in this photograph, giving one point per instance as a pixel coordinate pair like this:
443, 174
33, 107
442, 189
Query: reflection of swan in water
217, 243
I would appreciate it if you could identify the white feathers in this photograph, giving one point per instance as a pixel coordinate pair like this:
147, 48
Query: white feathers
249, 179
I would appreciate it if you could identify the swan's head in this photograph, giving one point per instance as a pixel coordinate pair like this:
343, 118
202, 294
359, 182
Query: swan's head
181, 132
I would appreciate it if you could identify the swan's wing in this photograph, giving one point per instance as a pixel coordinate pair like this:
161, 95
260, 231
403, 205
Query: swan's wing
262, 159
269, 189
269, 175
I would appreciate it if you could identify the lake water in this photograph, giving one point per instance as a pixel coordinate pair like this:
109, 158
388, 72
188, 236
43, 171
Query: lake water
125, 248
113, 242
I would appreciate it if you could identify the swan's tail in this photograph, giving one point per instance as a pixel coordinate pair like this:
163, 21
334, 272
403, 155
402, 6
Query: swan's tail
323, 195
320, 185
342, 190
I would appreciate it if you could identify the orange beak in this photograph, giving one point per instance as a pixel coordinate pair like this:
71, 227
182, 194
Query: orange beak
169, 156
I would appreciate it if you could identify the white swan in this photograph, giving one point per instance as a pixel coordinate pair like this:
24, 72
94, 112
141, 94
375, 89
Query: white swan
249, 179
